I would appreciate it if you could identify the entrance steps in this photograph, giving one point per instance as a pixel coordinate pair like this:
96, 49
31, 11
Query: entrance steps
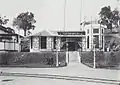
73, 57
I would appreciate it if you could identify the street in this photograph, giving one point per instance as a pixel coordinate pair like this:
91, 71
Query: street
73, 74
5, 80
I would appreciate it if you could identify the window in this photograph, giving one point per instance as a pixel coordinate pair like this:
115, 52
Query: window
87, 31
102, 31
35, 42
95, 30
54, 43
96, 41
0, 40
87, 41
43, 42
102, 42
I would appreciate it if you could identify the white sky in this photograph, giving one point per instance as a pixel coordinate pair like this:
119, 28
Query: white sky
49, 14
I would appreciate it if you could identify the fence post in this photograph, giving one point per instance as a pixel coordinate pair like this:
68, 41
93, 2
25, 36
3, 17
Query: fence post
67, 54
57, 53
94, 66
57, 58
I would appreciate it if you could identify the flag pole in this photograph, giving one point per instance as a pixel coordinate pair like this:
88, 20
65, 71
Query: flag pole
64, 15
80, 13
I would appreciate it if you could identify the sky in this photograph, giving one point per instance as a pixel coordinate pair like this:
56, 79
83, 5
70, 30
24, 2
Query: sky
49, 14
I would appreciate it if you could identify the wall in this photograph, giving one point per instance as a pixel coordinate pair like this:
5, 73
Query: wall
83, 44
50, 44
9, 46
1, 45
36, 44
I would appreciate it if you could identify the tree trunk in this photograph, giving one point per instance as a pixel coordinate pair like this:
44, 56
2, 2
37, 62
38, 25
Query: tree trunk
25, 31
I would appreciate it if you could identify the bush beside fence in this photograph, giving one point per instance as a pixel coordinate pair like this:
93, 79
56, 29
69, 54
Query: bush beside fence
103, 59
87, 58
37, 59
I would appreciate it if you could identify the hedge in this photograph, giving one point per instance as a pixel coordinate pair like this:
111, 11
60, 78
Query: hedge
103, 59
31, 58
88, 58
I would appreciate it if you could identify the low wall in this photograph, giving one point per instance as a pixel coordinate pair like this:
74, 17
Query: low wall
36, 59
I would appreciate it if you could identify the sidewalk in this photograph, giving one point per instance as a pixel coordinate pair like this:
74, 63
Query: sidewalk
73, 69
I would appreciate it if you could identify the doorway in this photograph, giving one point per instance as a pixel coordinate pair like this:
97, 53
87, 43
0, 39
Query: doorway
73, 46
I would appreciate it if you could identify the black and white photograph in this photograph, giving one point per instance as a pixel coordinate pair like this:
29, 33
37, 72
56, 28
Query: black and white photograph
60, 42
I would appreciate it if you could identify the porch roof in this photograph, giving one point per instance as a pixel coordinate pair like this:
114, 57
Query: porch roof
60, 33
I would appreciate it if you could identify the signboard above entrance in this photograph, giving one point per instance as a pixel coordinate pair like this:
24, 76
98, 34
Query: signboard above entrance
71, 33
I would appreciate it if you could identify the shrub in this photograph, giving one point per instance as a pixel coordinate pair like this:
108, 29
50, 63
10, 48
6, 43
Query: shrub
25, 58
103, 59
88, 58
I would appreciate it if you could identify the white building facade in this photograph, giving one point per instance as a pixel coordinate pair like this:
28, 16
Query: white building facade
9, 41
94, 36
85, 40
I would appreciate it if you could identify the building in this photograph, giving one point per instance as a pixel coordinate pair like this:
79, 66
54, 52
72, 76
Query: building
92, 35
57, 40
9, 40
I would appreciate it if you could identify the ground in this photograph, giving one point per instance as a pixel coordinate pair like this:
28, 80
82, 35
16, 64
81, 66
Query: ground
39, 81
72, 74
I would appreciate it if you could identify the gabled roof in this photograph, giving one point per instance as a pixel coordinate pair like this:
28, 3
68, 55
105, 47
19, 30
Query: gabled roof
6, 29
46, 33
9, 32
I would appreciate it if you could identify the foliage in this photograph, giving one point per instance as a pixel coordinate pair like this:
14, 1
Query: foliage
113, 44
25, 21
31, 59
109, 18
88, 59
25, 45
3, 20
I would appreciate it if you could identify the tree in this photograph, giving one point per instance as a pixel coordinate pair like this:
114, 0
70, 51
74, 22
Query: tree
3, 20
25, 21
10, 30
109, 17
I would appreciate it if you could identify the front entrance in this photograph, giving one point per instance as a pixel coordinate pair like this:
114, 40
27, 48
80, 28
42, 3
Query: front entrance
73, 53
71, 46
